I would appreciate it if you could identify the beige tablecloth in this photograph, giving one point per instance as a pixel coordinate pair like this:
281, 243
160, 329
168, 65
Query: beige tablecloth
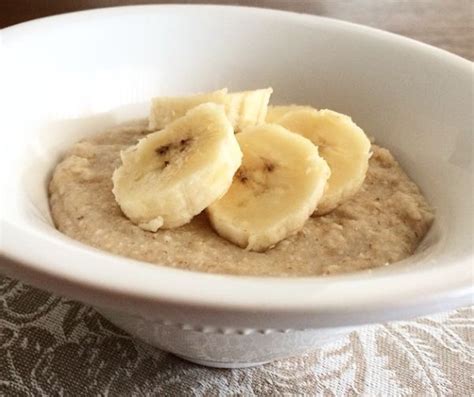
51, 346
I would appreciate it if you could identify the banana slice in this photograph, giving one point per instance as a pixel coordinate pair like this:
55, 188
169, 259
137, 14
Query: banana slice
164, 110
247, 108
242, 108
276, 189
274, 113
341, 143
173, 174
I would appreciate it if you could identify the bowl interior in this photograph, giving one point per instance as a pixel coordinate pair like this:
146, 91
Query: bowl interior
70, 76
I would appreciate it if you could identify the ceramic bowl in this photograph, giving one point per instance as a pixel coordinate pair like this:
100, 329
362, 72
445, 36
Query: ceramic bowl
73, 75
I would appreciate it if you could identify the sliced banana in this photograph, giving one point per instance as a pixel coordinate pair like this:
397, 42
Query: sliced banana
247, 108
173, 174
164, 110
274, 113
341, 143
276, 189
242, 108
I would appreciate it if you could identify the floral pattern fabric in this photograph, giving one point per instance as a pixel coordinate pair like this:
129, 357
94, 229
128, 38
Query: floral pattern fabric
51, 346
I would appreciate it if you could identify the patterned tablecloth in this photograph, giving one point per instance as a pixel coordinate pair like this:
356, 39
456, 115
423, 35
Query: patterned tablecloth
50, 346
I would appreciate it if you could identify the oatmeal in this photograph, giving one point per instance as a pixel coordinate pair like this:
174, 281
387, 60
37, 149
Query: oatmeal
383, 223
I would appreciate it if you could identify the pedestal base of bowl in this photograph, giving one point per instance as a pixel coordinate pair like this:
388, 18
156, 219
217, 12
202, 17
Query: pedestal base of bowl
221, 364
223, 347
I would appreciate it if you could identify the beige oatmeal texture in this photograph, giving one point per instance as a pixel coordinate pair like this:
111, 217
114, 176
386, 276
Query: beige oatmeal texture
383, 223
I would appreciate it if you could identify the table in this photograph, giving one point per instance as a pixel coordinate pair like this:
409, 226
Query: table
54, 346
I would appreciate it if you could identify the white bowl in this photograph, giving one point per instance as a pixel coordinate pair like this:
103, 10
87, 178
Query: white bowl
73, 75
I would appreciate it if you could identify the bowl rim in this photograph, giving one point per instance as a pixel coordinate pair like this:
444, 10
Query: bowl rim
342, 294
